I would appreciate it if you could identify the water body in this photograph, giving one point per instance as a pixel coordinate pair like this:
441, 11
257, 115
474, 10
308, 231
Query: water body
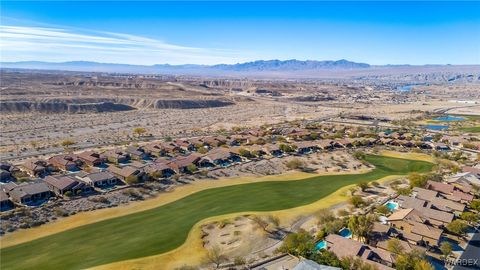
449, 118
437, 127
409, 87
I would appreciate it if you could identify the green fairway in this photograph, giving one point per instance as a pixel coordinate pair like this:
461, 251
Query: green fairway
164, 228
470, 129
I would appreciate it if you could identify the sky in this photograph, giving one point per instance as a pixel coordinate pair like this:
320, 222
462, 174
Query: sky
153, 32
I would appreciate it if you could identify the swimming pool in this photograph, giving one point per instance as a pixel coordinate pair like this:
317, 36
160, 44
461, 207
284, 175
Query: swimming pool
321, 245
392, 206
346, 233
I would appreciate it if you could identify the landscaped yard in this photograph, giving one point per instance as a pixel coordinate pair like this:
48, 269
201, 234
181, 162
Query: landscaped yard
164, 228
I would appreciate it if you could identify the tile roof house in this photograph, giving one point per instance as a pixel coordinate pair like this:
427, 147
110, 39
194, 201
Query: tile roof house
30, 193
98, 179
60, 184
66, 162
35, 167
345, 247
91, 158
450, 192
125, 172
116, 156
182, 162
137, 152
161, 169
311, 265
414, 226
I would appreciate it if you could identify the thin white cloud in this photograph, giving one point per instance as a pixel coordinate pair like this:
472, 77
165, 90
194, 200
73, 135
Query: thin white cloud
23, 43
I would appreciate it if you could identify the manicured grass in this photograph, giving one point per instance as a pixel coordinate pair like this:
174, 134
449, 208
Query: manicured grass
470, 129
164, 228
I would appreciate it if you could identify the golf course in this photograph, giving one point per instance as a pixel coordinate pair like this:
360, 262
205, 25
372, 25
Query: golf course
164, 228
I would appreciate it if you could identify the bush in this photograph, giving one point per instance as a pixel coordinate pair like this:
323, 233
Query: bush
383, 209
357, 201
68, 193
132, 179
295, 164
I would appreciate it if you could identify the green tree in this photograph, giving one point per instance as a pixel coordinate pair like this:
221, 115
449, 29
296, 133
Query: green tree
132, 179
457, 227
383, 209
475, 205
413, 260
417, 180
359, 155
325, 257
191, 168
67, 143
394, 246
361, 226
363, 185
357, 201
139, 131
355, 263
446, 249
68, 194
469, 217
298, 244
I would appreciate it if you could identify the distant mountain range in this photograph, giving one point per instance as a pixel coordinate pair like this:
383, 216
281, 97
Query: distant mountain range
260, 65
263, 69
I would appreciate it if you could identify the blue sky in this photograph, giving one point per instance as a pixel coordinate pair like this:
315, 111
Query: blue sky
230, 32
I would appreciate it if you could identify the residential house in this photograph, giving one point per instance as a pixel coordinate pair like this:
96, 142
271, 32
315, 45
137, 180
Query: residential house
185, 145
464, 177
5, 203
306, 147
450, 192
137, 152
219, 156
127, 173
345, 247
160, 169
66, 162
432, 200
29, 193
414, 227
407, 246
474, 170
273, 149
116, 156
326, 144
182, 163
35, 167
91, 158
98, 179
60, 184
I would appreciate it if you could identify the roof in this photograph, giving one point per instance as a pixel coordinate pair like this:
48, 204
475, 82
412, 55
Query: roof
471, 170
124, 171
400, 214
98, 176
29, 189
461, 195
425, 194
411, 202
3, 196
427, 231
187, 160
61, 182
33, 165
343, 247
89, 156
407, 247
380, 228
440, 187
311, 265
63, 160
218, 154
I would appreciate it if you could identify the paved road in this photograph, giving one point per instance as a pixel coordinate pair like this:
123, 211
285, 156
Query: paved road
472, 253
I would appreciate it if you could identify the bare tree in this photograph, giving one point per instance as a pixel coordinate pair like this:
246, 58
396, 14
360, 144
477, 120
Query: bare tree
215, 256
261, 223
